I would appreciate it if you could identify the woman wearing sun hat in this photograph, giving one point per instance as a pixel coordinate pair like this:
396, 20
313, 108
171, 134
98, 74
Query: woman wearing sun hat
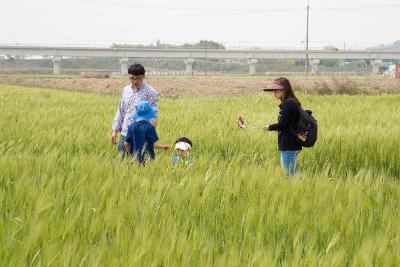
287, 119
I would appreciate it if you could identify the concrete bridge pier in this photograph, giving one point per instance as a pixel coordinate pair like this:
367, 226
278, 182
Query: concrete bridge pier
123, 63
56, 65
314, 66
189, 66
376, 64
252, 65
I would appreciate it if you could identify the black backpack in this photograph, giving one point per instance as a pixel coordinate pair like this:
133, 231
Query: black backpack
306, 128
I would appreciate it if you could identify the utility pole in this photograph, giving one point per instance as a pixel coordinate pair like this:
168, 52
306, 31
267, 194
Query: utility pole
307, 60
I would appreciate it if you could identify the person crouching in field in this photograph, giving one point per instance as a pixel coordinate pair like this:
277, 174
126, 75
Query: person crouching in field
287, 119
142, 138
182, 147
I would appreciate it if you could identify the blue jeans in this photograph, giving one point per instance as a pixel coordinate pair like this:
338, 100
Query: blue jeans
121, 147
289, 162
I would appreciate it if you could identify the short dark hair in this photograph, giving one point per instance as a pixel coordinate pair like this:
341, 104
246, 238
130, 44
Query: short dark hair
136, 69
184, 139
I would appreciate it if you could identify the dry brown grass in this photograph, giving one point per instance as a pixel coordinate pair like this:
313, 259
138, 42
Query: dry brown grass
175, 87
94, 74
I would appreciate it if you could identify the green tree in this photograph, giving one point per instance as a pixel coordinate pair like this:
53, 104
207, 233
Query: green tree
330, 62
202, 44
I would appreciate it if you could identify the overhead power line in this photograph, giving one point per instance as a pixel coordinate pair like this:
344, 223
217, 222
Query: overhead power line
198, 12
316, 8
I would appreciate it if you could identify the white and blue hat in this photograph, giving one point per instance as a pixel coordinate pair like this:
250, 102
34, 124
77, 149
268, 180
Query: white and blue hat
144, 111
183, 146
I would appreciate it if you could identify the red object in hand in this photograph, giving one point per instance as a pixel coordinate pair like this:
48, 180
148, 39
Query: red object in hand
240, 122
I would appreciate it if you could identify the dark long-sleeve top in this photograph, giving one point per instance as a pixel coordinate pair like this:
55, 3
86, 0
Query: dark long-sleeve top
287, 117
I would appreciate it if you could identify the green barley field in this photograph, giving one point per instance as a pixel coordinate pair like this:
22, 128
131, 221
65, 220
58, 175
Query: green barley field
67, 201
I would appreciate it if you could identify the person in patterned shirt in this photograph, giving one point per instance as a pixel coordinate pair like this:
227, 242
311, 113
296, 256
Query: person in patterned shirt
132, 94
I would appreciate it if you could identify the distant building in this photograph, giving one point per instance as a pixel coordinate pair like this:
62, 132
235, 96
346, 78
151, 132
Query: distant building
7, 57
390, 71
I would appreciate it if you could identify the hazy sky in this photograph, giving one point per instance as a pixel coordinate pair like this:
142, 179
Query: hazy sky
354, 23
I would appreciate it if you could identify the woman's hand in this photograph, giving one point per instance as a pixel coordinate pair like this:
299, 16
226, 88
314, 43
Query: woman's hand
266, 127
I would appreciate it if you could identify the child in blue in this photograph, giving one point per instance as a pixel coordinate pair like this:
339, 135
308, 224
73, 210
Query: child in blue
142, 138
182, 146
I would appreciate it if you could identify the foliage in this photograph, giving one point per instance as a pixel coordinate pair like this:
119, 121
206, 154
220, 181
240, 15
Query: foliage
67, 201
393, 46
330, 62
202, 44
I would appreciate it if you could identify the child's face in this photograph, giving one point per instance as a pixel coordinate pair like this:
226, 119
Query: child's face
181, 153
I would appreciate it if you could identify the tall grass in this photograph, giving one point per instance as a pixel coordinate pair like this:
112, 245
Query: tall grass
67, 201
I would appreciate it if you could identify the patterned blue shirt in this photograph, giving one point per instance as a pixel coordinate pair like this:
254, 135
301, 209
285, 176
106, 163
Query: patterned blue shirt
187, 161
126, 107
